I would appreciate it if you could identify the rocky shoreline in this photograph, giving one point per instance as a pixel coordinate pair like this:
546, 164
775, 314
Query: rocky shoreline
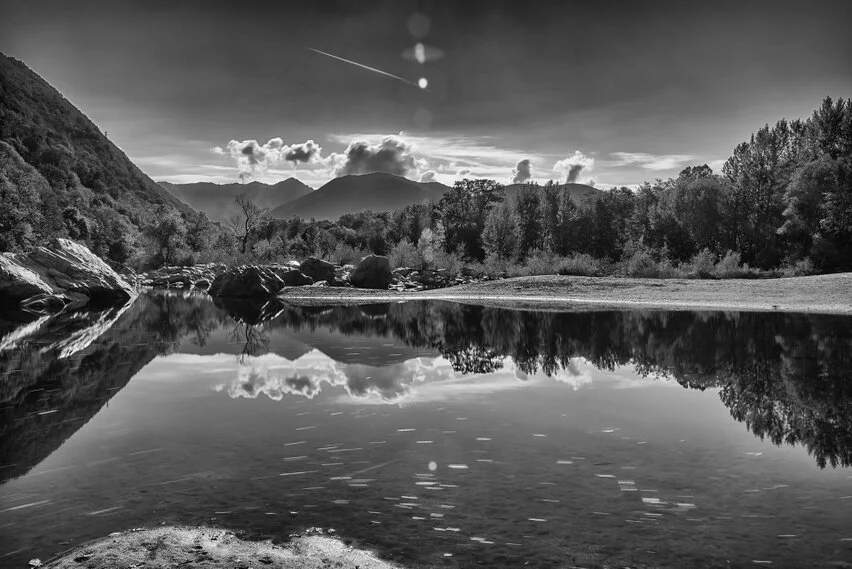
173, 546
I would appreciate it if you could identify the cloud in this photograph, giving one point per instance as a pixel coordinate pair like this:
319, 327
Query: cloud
392, 155
476, 152
463, 172
428, 176
521, 173
651, 161
254, 159
571, 167
305, 152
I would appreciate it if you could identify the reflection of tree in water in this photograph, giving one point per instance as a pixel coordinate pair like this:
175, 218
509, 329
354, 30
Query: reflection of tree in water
254, 341
787, 376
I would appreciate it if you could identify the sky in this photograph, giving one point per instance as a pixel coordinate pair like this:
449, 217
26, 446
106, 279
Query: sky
611, 93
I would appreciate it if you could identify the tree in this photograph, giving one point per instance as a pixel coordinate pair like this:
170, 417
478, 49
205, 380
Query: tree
528, 220
462, 212
498, 236
167, 234
246, 223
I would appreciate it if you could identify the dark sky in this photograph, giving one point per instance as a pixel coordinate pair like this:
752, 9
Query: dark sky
639, 88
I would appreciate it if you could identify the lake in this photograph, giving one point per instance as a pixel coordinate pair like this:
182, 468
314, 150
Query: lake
435, 433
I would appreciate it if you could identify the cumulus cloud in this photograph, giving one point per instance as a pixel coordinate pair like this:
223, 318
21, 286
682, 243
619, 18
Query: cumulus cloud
572, 166
253, 158
392, 155
521, 173
428, 176
308, 151
651, 161
463, 172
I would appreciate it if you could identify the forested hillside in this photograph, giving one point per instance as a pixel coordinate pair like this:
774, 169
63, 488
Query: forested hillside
61, 177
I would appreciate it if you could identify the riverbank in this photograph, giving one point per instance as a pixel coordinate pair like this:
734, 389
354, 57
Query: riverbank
829, 294
171, 546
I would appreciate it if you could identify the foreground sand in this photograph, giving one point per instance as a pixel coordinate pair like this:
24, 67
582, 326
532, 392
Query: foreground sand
169, 546
830, 294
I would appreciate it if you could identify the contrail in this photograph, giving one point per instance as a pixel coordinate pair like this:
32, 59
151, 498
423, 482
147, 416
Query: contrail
367, 67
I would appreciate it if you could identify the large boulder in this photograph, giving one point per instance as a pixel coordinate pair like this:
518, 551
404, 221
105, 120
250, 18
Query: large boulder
78, 273
246, 281
292, 277
47, 278
318, 269
372, 272
254, 281
18, 283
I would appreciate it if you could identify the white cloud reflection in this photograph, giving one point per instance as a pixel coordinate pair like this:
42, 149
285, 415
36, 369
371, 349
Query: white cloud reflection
414, 381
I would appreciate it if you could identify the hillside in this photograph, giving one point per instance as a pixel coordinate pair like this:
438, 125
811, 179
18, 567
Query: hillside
63, 177
217, 200
367, 192
578, 192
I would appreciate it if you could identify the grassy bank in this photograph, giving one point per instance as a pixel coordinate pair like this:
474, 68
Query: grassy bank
818, 294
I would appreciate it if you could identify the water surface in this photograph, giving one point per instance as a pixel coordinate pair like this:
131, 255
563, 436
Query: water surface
436, 433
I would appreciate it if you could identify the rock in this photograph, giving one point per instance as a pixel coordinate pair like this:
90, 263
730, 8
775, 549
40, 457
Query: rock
18, 283
318, 269
65, 271
372, 272
199, 276
320, 284
247, 281
292, 277
216, 549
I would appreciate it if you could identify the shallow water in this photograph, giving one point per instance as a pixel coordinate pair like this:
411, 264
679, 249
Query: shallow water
436, 433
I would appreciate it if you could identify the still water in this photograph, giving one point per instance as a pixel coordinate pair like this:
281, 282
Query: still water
435, 433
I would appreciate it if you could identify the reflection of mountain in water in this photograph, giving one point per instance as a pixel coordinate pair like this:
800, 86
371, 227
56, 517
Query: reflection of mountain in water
57, 372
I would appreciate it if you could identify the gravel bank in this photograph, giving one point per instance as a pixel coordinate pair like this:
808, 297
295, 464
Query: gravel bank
830, 294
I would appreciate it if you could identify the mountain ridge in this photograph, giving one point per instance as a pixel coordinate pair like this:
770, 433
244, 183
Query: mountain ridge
377, 191
217, 200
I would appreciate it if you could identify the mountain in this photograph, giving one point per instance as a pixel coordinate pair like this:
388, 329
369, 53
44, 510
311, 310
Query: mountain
217, 200
352, 194
578, 192
61, 177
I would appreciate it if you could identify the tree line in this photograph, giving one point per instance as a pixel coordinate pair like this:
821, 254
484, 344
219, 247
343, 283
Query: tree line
782, 201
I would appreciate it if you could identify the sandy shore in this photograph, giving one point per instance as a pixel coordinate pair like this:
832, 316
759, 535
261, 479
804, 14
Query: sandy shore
169, 546
830, 294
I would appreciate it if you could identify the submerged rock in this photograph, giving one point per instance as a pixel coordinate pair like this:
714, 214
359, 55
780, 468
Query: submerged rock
214, 548
372, 272
47, 278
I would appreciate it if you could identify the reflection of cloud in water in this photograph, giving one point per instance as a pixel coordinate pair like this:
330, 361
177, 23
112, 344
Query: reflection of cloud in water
418, 380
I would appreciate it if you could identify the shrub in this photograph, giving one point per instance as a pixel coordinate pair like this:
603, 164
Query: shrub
641, 264
800, 268
703, 264
405, 254
730, 267
452, 263
539, 263
581, 265
344, 254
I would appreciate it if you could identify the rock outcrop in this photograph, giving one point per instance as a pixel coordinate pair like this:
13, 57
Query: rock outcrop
372, 272
47, 278
251, 281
